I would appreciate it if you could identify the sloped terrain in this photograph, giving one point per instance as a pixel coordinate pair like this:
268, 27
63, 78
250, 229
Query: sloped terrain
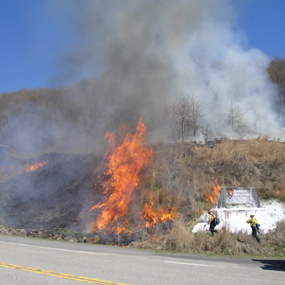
55, 195
53, 200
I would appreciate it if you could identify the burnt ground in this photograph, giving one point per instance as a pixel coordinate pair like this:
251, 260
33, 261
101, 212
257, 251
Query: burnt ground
56, 195
53, 201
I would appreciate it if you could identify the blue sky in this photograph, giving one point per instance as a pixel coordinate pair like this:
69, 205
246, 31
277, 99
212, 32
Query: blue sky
263, 22
32, 35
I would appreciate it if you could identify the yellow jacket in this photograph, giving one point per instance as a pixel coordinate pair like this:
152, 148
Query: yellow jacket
211, 217
252, 221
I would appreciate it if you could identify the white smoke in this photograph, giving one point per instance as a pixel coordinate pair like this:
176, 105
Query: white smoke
270, 213
144, 54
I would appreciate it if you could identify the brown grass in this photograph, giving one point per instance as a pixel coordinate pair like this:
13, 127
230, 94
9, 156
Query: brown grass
181, 174
181, 239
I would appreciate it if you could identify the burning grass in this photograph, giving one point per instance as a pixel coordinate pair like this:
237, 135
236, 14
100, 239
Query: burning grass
188, 176
123, 167
186, 179
187, 173
124, 164
149, 197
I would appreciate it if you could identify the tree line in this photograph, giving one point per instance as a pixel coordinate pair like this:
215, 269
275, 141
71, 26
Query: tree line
189, 119
46, 110
189, 116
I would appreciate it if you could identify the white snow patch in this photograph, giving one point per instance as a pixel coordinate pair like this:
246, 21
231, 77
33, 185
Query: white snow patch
234, 219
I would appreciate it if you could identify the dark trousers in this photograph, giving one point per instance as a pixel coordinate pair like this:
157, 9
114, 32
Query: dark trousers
212, 228
254, 233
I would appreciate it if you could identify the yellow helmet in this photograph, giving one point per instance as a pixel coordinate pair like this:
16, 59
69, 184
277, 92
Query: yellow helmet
252, 215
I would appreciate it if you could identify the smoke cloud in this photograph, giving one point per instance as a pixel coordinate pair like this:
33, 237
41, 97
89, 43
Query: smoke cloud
132, 59
143, 55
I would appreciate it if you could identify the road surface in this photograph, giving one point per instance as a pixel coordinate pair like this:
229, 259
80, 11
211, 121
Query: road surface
36, 261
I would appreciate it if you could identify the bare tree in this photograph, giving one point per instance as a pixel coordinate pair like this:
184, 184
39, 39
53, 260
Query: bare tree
195, 115
206, 132
276, 72
181, 112
234, 118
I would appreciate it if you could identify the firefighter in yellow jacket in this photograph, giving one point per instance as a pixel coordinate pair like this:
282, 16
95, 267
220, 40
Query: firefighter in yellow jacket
212, 222
253, 222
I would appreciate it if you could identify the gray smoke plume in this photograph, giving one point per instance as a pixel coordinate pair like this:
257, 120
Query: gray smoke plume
143, 54
132, 59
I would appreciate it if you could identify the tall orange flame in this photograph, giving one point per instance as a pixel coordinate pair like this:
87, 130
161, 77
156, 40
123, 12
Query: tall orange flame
123, 167
214, 197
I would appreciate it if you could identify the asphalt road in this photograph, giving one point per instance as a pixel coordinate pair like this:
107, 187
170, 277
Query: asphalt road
35, 261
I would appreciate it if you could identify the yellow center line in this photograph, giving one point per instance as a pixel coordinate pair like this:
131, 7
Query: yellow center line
60, 275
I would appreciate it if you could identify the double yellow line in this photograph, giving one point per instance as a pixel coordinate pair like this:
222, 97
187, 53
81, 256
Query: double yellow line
60, 275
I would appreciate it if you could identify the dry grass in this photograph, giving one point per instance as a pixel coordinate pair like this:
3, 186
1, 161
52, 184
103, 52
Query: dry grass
181, 174
255, 163
181, 239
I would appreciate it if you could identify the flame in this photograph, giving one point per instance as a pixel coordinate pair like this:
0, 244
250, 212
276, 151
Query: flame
119, 228
123, 167
211, 199
151, 216
36, 166
214, 197
111, 144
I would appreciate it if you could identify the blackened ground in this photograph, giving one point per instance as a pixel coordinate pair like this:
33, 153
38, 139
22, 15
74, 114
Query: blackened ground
53, 201
56, 195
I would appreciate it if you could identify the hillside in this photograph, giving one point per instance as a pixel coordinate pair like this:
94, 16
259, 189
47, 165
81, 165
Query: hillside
58, 194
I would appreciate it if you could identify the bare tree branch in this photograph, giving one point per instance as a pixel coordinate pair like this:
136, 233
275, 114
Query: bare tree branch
206, 132
234, 118
181, 112
195, 115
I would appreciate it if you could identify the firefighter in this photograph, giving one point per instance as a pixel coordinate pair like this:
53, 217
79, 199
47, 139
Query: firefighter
253, 222
213, 222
